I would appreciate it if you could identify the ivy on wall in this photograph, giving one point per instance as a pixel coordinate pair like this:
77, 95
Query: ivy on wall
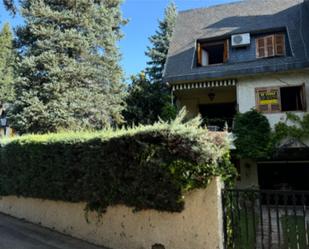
294, 128
256, 140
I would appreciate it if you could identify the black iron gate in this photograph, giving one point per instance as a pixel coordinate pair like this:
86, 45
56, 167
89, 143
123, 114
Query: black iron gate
266, 219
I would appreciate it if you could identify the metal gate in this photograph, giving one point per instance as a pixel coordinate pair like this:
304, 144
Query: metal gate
266, 219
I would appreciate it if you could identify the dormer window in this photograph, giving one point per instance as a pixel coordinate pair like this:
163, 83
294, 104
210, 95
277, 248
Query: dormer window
270, 46
212, 53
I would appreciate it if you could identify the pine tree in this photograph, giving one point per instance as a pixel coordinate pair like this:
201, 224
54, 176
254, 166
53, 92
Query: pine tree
10, 6
148, 97
160, 42
69, 75
7, 63
140, 106
144, 102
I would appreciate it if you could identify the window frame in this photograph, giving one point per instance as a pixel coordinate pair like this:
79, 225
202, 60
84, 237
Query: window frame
275, 45
203, 44
269, 106
302, 96
270, 110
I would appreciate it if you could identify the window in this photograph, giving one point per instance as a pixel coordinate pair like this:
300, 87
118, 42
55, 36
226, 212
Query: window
276, 99
292, 98
271, 45
212, 53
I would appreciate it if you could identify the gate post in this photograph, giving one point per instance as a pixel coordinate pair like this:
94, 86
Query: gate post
220, 214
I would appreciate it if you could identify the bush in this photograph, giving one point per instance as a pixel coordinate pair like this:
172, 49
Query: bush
147, 167
253, 135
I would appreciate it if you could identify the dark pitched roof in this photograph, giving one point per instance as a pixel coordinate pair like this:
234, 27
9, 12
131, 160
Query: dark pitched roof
240, 17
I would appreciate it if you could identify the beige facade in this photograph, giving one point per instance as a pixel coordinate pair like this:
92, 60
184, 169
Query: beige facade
244, 94
199, 226
193, 98
246, 90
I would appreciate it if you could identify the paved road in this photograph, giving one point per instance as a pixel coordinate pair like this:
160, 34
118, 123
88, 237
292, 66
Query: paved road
17, 234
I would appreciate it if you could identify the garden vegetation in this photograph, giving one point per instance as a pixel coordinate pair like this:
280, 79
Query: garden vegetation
146, 167
256, 140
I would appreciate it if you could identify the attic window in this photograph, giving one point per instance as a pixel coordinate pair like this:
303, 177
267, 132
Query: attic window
212, 53
271, 45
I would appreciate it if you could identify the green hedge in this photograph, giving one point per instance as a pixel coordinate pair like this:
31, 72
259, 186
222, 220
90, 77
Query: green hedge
147, 167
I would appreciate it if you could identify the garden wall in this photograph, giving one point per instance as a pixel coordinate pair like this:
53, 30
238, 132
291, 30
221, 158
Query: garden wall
198, 226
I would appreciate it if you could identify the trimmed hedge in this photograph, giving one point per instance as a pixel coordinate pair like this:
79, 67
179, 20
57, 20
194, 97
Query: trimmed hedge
147, 167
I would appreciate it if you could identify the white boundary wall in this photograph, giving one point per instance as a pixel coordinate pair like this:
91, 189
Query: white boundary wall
199, 226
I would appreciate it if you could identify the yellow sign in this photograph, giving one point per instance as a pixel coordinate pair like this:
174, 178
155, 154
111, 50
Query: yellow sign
270, 97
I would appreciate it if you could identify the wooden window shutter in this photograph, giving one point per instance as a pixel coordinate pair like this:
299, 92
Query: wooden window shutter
226, 51
275, 106
199, 54
260, 106
270, 45
260, 48
280, 44
268, 100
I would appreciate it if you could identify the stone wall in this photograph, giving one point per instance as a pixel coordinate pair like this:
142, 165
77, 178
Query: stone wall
199, 226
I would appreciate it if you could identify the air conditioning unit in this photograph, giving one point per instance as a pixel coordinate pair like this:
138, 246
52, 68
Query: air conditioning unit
241, 40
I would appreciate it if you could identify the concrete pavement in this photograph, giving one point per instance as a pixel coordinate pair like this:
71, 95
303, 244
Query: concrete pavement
17, 234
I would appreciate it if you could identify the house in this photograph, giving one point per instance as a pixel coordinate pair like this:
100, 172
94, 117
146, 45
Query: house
225, 59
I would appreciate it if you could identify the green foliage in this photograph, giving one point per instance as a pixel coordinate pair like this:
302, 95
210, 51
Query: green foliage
253, 135
69, 74
169, 111
7, 64
294, 231
293, 127
148, 97
246, 228
145, 103
10, 6
256, 140
146, 167
160, 42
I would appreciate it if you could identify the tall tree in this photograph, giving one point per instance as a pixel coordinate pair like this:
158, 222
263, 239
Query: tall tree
10, 6
145, 103
160, 42
7, 63
149, 98
69, 75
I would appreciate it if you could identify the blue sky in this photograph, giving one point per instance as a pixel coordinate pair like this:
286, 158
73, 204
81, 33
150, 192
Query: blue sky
143, 18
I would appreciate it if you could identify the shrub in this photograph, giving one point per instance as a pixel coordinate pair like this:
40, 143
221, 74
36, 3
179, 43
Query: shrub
147, 167
253, 135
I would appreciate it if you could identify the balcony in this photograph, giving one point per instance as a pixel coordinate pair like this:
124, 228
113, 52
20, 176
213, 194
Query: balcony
219, 124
